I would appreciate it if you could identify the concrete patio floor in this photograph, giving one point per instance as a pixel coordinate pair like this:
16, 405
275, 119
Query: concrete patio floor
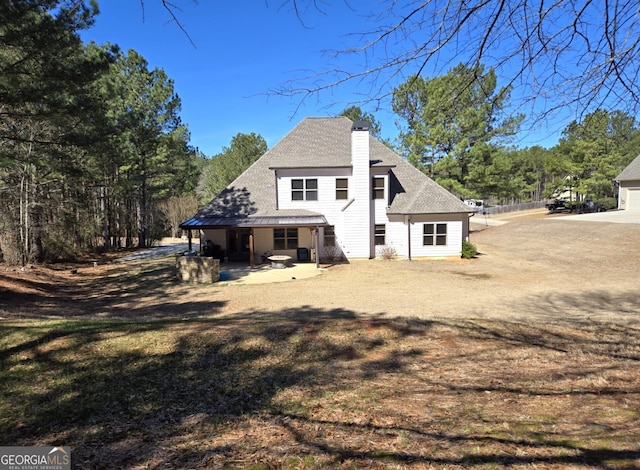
242, 273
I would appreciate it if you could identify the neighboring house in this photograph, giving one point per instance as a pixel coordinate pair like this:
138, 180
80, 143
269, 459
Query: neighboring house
330, 190
629, 186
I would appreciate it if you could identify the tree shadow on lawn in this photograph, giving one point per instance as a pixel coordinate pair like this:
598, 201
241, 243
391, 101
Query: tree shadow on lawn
595, 321
350, 390
146, 291
624, 305
107, 388
581, 455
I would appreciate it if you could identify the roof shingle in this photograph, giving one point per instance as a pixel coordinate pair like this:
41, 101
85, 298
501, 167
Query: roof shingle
631, 172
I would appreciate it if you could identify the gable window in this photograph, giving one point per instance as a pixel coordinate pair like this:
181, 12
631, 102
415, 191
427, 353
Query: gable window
378, 188
329, 236
304, 189
380, 231
342, 188
435, 234
285, 238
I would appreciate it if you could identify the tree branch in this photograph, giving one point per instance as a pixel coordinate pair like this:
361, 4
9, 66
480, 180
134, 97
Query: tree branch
558, 56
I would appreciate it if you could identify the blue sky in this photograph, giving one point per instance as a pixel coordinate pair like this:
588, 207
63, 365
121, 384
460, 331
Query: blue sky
240, 52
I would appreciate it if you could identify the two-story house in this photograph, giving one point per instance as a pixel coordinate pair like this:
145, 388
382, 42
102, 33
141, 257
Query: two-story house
329, 189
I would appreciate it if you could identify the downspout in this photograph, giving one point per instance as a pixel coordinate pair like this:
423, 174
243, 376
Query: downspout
409, 236
275, 173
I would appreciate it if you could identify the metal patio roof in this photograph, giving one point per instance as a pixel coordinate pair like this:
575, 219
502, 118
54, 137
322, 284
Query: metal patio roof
258, 221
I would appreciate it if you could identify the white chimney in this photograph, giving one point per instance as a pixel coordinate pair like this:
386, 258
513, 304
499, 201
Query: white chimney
360, 237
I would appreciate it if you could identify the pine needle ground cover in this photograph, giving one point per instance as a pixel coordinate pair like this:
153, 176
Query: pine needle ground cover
315, 390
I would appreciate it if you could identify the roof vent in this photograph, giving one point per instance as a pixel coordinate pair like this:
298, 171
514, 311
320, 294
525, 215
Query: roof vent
360, 126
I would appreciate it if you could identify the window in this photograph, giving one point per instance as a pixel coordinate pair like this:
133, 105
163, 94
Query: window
329, 236
380, 234
285, 239
304, 190
342, 188
297, 190
435, 234
378, 188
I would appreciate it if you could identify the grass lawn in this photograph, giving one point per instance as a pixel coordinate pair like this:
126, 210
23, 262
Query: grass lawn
319, 389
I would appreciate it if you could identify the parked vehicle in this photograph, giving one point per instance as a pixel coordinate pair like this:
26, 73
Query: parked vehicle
558, 205
581, 207
475, 204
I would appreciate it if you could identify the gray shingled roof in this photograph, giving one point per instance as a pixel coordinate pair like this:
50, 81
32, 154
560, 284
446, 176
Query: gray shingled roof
315, 142
322, 142
631, 172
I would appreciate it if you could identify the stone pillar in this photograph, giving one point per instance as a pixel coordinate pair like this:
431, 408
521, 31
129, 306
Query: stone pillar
197, 269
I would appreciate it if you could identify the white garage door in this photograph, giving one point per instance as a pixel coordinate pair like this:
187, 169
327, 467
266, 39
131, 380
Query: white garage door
633, 199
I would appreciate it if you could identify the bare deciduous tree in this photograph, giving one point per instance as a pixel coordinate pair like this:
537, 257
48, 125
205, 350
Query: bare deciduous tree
178, 209
558, 55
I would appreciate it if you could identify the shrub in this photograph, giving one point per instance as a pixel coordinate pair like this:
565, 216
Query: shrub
332, 253
386, 252
57, 247
607, 203
469, 250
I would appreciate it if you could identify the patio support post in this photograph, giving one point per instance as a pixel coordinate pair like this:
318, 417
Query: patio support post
317, 247
251, 260
409, 236
190, 243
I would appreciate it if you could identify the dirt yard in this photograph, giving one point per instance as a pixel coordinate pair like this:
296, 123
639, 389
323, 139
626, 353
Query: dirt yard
536, 267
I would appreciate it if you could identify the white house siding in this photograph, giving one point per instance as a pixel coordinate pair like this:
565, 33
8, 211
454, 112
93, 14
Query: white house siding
327, 205
354, 241
398, 236
379, 207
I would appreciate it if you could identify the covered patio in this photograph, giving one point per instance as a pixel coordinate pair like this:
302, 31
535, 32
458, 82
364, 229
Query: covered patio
252, 239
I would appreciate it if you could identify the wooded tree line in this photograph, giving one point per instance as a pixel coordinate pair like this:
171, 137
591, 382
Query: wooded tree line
91, 142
